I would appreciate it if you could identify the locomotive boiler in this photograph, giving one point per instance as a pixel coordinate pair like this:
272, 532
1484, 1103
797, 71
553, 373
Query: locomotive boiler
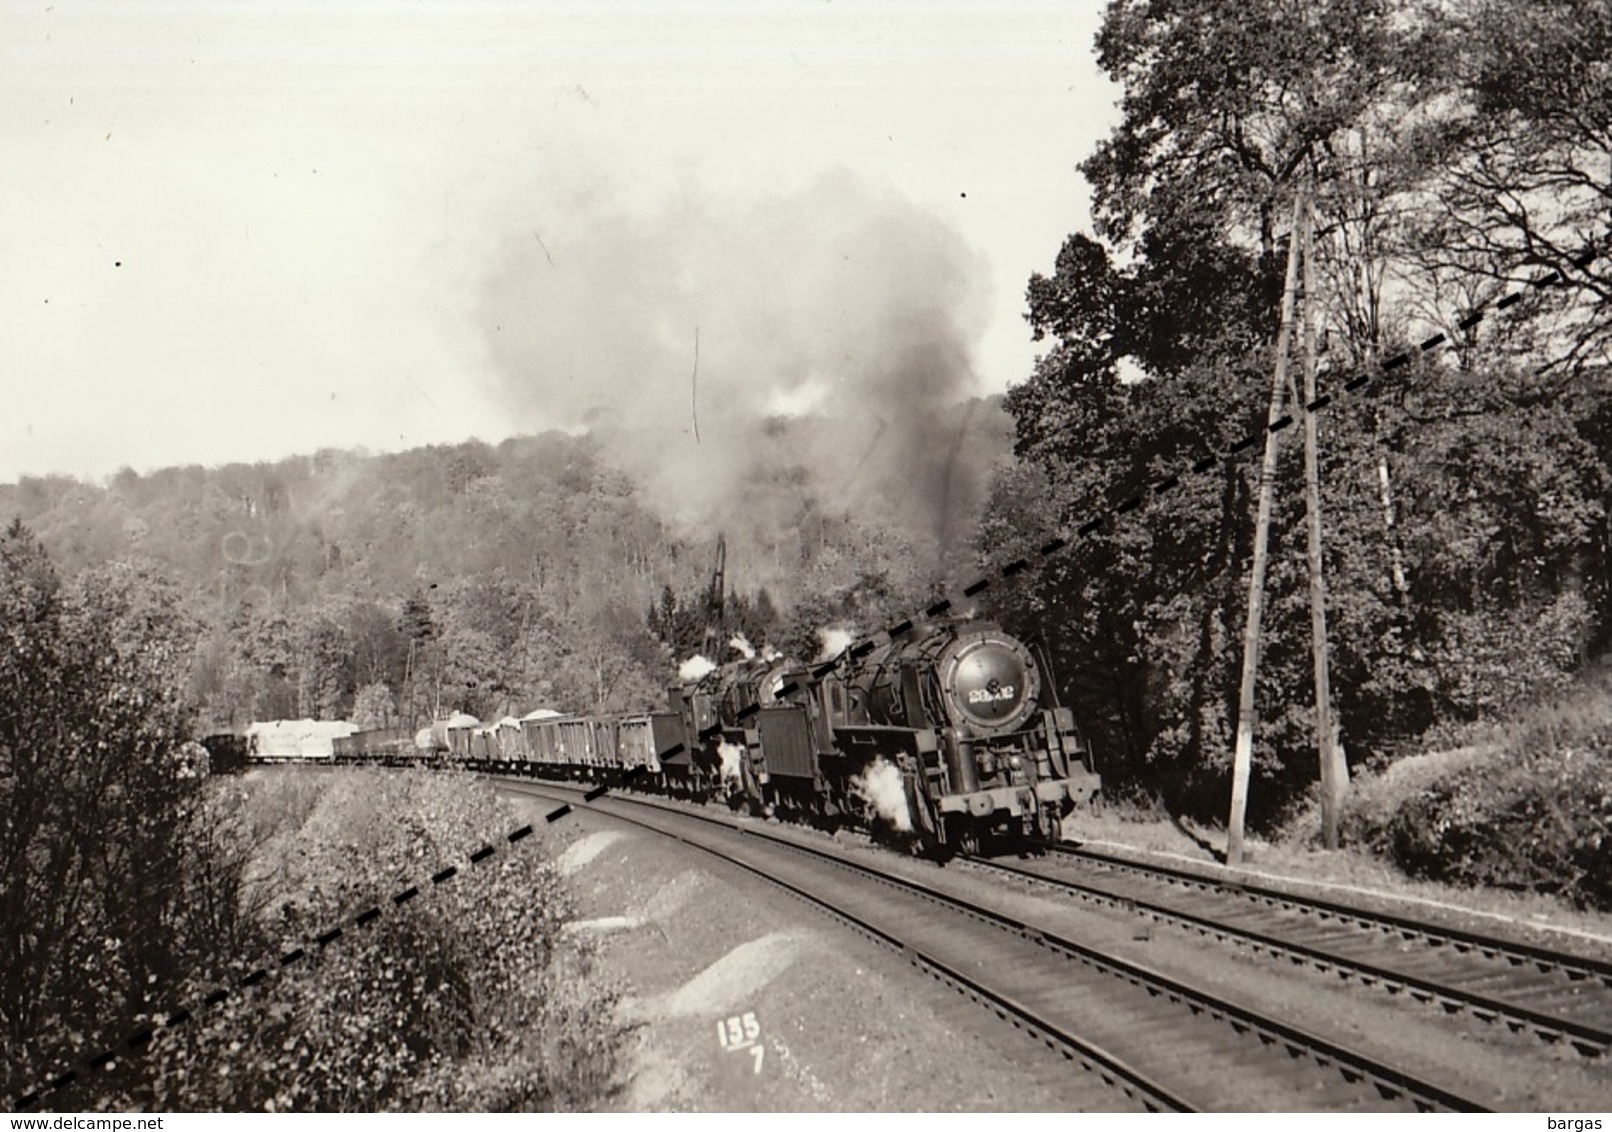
957, 707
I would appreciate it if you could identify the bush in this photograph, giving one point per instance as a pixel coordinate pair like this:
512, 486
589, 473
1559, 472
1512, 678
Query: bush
1531, 810
468, 997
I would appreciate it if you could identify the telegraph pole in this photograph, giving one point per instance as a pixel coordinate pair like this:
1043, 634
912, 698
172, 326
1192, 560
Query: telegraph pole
1242, 755
1334, 763
714, 642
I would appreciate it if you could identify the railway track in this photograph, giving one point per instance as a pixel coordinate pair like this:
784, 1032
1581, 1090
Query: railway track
1559, 998
1147, 1041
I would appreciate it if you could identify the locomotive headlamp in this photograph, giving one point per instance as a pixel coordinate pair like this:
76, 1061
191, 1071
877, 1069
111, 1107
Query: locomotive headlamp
1015, 762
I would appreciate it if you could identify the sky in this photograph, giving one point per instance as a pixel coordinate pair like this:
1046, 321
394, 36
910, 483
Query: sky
243, 230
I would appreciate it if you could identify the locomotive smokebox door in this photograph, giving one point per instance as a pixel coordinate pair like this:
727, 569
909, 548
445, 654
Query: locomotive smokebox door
990, 680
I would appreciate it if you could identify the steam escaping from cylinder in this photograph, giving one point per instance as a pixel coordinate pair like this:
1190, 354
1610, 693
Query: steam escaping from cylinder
730, 753
882, 786
835, 641
695, 668
740, 642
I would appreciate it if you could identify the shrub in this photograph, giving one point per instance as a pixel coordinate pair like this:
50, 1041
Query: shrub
1530, 811
468, 997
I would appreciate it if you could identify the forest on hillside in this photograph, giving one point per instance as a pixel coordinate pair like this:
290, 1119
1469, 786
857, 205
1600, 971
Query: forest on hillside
393, 588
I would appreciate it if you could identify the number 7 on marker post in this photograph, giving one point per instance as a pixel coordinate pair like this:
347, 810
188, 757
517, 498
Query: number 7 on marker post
742, 1032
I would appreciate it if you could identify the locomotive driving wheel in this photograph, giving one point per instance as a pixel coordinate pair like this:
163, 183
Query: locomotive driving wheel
964, 837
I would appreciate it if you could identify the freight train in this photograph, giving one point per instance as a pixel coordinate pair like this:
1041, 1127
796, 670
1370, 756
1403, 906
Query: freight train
944, 734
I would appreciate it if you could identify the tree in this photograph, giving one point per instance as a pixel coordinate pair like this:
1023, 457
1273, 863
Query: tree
379, 647
1159, 356
472, 676
1223, 105
677, 623
373, 707
324, 666
96, 784
1523, 145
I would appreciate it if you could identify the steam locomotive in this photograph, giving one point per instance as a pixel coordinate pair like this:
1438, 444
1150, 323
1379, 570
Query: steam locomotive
939, 735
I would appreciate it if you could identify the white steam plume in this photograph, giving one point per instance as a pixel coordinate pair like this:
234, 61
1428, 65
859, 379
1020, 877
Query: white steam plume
742, 643
881, 784
731, 753
835, 641
695, 668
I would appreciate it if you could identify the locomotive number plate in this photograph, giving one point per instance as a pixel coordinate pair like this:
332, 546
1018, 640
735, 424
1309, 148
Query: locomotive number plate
986, 696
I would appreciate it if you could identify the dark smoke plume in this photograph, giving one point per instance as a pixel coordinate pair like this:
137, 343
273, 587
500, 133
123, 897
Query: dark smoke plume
834, 334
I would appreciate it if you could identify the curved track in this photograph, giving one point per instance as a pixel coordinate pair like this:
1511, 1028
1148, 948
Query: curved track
1559, 998
1147, 1040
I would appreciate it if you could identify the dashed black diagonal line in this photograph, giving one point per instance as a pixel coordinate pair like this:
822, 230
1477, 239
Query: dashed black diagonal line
1017, 567
137, 1041
1138, 501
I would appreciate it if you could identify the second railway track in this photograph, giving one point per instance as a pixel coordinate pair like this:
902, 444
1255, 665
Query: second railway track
1557, 997
1147, 1040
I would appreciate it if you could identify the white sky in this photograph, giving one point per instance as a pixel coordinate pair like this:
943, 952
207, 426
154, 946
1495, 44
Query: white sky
241, 230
